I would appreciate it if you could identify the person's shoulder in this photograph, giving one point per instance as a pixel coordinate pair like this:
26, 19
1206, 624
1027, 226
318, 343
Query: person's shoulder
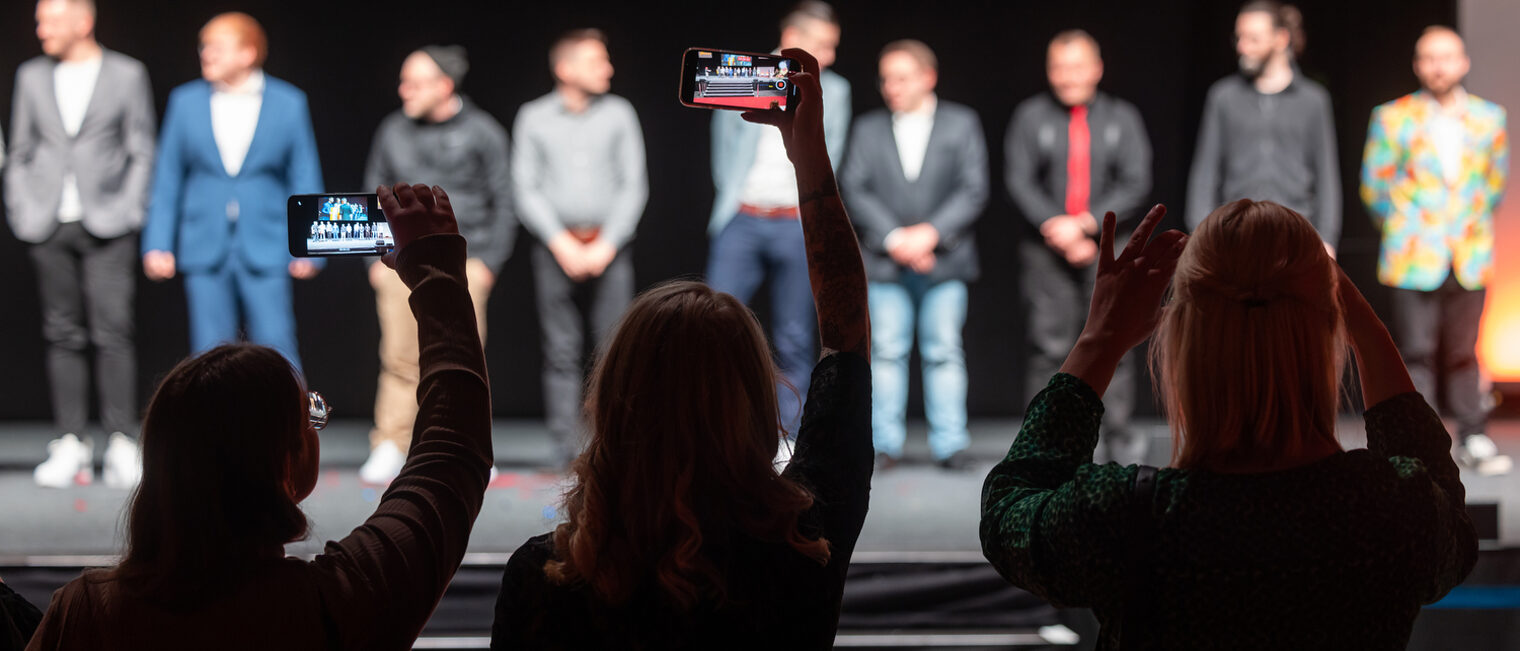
537, 105
1313, 89
959, 112
837, 81
1484, 107
124, 63
1231, 83
618, 104
37, 65
1035, 105
274, 87
875, 118
189, 90
1119, 105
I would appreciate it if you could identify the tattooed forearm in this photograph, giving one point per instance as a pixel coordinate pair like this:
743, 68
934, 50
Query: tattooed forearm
836, 271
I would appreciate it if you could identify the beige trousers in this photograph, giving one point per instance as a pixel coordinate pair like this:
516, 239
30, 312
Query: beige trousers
396, 395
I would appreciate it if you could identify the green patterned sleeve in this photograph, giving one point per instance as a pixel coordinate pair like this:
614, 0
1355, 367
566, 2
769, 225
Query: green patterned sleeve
1052, 521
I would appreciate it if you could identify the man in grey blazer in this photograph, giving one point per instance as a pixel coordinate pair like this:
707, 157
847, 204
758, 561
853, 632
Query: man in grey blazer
81, 155
914, 180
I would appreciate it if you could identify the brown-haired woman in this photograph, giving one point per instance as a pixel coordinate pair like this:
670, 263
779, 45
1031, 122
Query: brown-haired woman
229, 451
680, 533
1264, 534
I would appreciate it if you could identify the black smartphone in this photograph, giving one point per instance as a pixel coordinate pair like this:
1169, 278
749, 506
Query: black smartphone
743, 81
337, 224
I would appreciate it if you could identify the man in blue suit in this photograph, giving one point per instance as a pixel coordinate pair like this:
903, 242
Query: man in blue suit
233, 146
755, 225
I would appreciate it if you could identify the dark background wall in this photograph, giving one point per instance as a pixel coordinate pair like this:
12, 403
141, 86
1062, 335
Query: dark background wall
1161, 55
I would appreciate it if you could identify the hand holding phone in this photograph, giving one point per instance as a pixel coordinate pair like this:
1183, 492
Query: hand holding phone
744, 81
418, 211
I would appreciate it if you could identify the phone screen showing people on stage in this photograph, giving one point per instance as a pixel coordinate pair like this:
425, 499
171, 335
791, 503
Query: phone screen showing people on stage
737, 80
337, 224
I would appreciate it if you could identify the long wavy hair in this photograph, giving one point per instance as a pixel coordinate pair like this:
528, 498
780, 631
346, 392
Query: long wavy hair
684, 427
226, 461
1251, 345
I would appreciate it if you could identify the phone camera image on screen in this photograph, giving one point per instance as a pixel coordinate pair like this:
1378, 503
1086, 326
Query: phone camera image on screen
738, 80
338, 224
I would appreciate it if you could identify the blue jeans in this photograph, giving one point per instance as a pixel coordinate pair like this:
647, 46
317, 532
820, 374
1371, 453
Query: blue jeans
743, 254
940, 314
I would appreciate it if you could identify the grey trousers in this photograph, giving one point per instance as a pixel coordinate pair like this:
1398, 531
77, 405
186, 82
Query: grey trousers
565, 308
1056, 299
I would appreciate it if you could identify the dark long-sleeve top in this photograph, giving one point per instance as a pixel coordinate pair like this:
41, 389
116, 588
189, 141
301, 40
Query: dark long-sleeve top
1278, 147
949, 193
377, 587
1037, 148
1337, 554
468, 156
18, 619
778, 598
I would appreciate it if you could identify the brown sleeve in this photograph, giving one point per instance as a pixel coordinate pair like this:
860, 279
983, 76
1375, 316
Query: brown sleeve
381, 583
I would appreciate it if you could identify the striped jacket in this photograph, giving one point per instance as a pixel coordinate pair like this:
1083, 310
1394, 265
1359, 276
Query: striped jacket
1428, 224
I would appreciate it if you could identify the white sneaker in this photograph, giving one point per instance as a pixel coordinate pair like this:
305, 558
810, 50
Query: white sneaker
1498, 464
383, 465
1479, 447
68, 462
783, 455
1481, 454
123, 467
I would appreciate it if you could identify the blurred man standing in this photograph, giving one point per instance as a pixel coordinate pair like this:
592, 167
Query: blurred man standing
915, 180
756, 235
81, 160
235, 145
579, 172
1432, 174
1074, 154
1268, 133
437, 137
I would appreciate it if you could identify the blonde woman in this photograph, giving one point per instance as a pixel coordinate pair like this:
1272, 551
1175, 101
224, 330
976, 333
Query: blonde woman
1263, 533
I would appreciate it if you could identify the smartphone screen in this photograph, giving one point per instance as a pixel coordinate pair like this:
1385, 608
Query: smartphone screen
737, 80
337, 224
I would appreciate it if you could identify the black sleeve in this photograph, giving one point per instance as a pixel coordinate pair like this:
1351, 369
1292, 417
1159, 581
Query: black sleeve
18, 619
1131, 185
1022, 149
834, 452
520, 608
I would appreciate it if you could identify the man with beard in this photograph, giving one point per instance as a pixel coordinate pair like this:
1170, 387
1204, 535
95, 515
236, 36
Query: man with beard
1267, 132
1433, 171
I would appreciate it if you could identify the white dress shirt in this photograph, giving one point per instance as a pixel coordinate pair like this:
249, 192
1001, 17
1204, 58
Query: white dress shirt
234, 116
772, 181
73, 85
911, 130
1449, 135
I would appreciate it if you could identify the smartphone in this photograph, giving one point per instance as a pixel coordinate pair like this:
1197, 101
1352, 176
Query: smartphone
337, 224
743, 81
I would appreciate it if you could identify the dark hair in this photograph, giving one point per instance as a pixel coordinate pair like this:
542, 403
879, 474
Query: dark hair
224, 454
1285, 17
917, 49
809, 10
684, 426
572, 38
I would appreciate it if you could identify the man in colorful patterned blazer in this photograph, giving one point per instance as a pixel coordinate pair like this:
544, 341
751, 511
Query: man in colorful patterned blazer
1432, 174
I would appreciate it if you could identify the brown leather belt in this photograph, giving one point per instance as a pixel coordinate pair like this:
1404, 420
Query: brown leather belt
585, 234
782, 212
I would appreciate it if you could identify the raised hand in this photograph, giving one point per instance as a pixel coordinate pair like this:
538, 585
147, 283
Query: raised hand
413, 212
801, 124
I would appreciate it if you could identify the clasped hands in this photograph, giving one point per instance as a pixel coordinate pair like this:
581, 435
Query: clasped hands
581, 261
1072, 237
913, 246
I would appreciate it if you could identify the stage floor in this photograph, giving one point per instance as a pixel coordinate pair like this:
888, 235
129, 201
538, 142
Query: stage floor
919, 513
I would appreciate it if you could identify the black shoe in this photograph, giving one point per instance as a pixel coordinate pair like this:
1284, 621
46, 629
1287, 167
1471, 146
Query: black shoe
957, 462
885, 462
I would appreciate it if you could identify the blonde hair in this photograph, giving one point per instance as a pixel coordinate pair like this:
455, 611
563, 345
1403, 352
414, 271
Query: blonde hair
1250, 347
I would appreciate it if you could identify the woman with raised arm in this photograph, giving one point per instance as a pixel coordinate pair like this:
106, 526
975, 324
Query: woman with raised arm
1264, 533
680, 533
229, 451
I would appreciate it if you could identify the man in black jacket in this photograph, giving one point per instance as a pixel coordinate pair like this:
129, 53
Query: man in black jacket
915, 179
437, 137
1073, 154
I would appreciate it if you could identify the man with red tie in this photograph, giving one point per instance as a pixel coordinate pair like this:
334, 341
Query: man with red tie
1074, 154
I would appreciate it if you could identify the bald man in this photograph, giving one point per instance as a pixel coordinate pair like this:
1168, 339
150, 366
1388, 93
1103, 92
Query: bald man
80, 163
235, 144
1433, 172
437, 137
